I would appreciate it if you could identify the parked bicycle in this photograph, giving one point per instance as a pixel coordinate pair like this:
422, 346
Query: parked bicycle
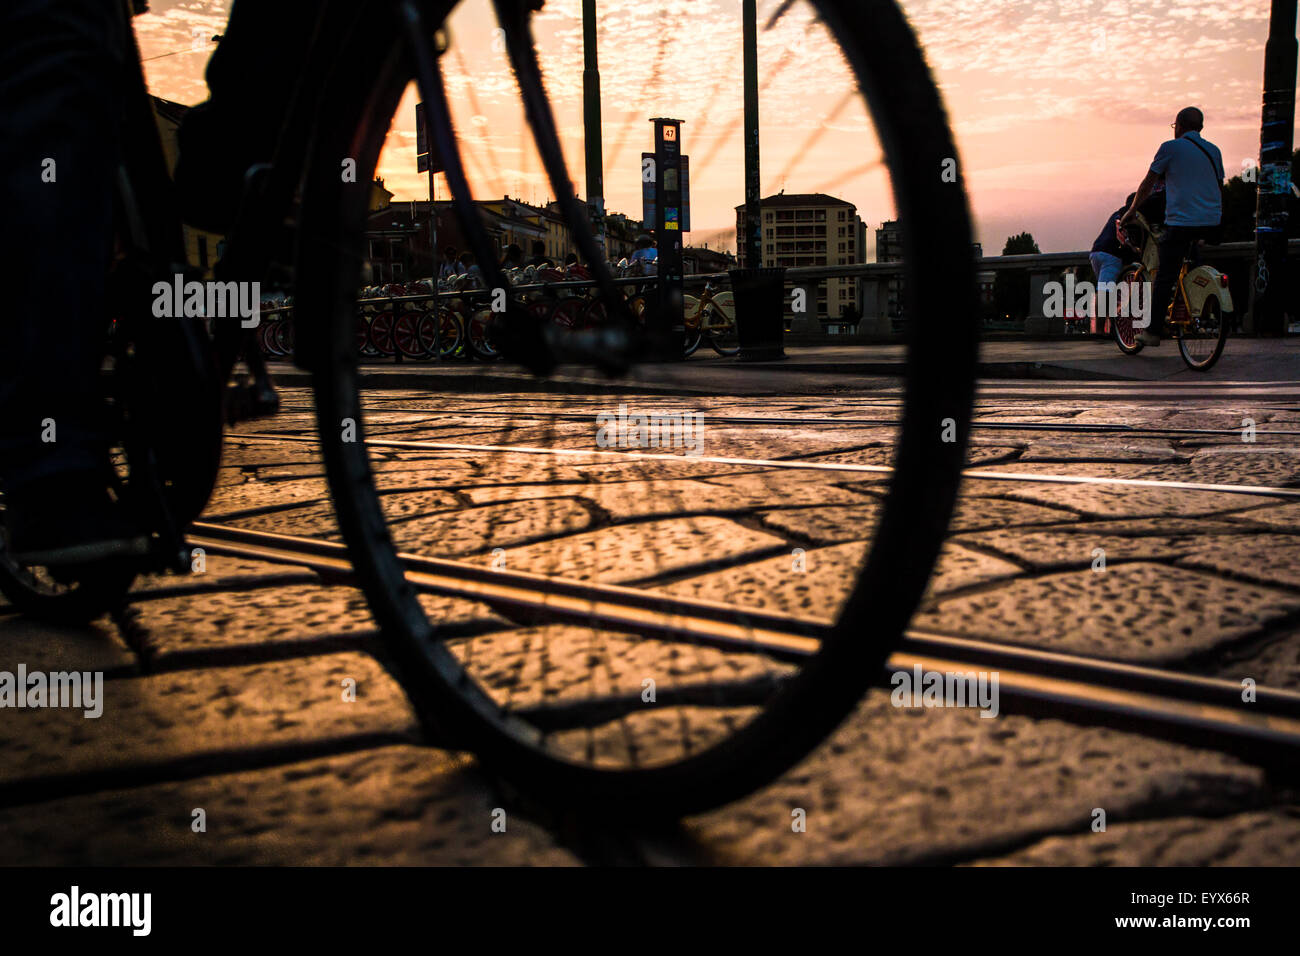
712, 316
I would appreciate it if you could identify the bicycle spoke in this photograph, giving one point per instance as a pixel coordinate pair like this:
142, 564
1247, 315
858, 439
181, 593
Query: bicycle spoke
442, 137
515, 18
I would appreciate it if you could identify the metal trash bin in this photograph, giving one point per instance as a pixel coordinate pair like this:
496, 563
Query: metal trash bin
760, 313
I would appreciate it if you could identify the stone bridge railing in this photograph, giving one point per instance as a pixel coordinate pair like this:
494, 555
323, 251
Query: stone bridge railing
875, 283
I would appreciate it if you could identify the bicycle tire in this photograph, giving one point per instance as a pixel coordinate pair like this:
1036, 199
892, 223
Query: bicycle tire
381, 333
727, 344
76, 602
1121, 327
478, 332
268, 339
940, 284
284, 333
1204, 361
440, 332
361, 336
406, 336
576, 313
694, 334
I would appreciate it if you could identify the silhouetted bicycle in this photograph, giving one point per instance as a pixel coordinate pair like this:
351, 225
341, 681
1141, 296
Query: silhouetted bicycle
712, 316
1197, 311
691, 751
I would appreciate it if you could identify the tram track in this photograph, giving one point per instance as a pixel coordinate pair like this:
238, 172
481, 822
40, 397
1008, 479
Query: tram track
976, 474
1101, 428
1204, 712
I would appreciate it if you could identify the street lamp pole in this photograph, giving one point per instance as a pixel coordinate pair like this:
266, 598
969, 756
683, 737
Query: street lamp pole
1276, 140
752, 242
591, 123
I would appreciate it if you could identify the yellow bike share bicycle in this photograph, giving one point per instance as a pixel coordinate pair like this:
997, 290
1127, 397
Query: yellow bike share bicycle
1197, 312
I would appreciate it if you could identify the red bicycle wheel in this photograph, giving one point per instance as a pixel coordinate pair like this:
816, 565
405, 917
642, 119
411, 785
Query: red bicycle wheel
571, 314
406, 335
381, 333
1121, 326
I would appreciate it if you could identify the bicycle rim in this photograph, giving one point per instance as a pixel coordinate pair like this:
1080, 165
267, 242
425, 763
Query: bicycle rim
723, 743
1121, 326
480, 335
1201, 340
720, 326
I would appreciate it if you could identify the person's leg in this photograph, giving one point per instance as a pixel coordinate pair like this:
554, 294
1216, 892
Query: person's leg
1172, 249
251, 80
1106, 267
60, 95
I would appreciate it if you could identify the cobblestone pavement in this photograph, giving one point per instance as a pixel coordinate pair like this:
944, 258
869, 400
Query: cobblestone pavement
223, 689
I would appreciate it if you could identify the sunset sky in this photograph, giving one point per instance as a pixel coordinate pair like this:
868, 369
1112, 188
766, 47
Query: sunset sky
1057, 105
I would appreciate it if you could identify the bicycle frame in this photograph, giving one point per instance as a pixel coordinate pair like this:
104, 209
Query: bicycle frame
1205, 281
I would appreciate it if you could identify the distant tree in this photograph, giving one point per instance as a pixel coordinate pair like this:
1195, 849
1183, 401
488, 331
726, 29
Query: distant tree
1021, 245
1239, 207
1238, 210
1011, 286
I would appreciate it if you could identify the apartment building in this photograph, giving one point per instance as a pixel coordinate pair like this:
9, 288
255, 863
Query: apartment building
813, 229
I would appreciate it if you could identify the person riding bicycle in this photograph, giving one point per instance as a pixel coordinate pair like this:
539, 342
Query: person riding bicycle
62, 90
1109, 249
1114, 246
1192, 169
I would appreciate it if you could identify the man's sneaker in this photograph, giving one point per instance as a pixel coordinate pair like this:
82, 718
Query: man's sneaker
1148, 339
68, 519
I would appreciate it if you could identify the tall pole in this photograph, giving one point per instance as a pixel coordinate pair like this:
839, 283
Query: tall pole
591, 123
752, 241
433, 227
667, 327
1276, 140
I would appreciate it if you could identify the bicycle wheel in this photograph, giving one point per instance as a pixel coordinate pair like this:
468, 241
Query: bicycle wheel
694, 335
720, 325
381, 333
739, 715
637, 306
406, 336
37, 593
572, 312
1201, 340
284, 335
361, 330
440, 332
479, 334
1121, 326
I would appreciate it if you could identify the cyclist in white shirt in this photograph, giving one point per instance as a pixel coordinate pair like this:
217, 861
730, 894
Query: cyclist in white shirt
1192, 169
